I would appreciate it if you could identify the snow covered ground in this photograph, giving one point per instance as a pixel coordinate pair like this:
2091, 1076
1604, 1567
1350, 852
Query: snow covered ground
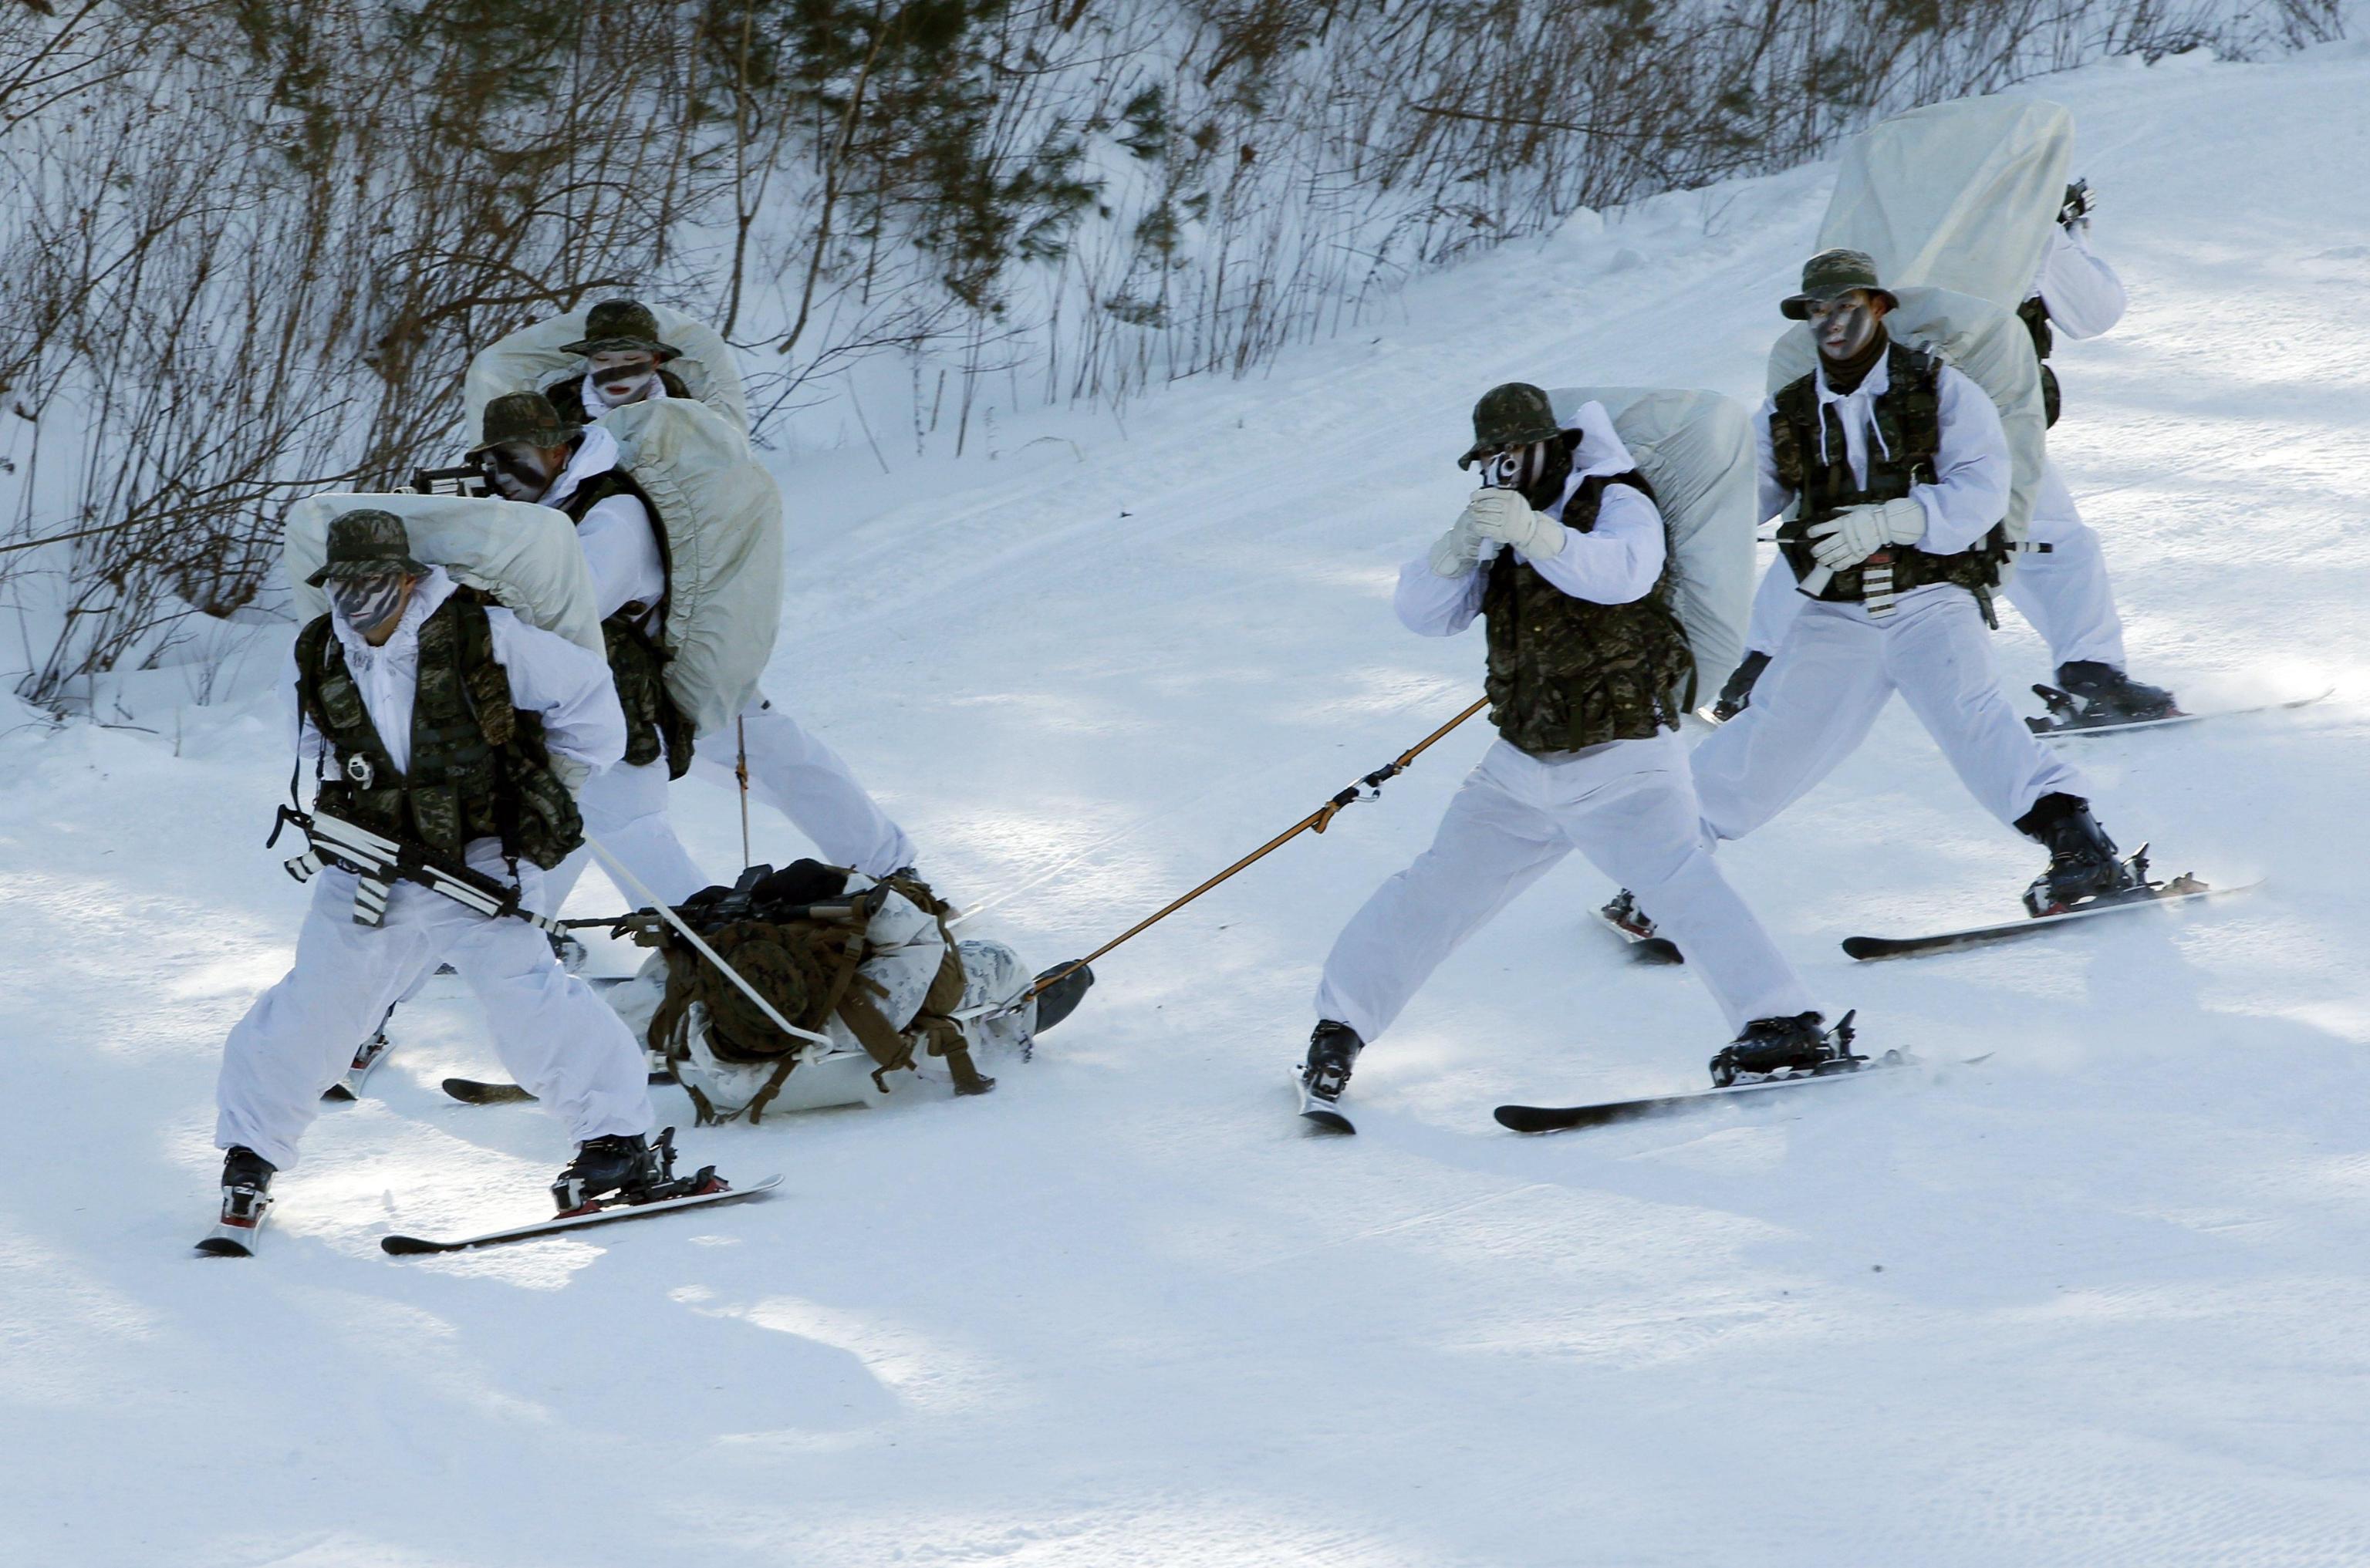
2101, 1299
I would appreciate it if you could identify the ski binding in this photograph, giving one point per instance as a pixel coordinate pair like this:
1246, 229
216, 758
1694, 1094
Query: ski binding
368, 1055
1565, 1119
1320, 1114
243, 1213
2142, 894
1623, 915
2065, 718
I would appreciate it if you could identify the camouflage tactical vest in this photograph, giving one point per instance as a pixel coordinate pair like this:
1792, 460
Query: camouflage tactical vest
567, 395
2035, 316
479, 769
1566, 673
1905, 432
655, 726
807, 970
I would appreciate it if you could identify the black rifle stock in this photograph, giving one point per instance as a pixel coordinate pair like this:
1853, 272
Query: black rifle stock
377, 861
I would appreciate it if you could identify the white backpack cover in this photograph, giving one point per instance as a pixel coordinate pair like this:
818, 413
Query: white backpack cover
530, 359
1957, 196
722, 514
1695, 449
526, 556
1987, 344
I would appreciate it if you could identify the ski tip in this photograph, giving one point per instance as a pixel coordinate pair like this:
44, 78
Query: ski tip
1865, 947
224, 1247
338, 1094
469, 1091
407, 1246
1332, 1122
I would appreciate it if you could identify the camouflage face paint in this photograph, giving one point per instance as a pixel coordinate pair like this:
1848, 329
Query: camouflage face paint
364, 604
516, 473
1844, 326
620, 377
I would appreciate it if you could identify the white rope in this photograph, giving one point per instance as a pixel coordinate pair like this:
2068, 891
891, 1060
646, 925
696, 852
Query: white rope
634, 885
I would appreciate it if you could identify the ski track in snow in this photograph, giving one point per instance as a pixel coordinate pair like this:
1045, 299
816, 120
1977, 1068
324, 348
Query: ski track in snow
2100, 1299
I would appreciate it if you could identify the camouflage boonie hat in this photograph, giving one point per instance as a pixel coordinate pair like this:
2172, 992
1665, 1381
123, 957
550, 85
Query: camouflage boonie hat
614, 325
367, 542
1833, 272
526, 417
1512, 414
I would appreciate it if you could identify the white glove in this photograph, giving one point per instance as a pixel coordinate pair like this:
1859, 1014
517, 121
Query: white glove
1504, 516
1455, 553
1855, 534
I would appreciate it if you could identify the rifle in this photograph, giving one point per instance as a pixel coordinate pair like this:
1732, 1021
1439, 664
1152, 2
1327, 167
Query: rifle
464, 479
377, 861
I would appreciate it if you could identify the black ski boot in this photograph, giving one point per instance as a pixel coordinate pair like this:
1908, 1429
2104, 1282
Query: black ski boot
1333, 1047
2110, 697
245, 1175
245, 1199
2084, 864
631, 1168
1772, 1044
1624, 912
1737, 696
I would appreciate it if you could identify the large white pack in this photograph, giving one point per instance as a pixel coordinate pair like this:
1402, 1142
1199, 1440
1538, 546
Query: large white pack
526, 556
722, 517
530, 359
1957, 196
1990, 345
1695, 449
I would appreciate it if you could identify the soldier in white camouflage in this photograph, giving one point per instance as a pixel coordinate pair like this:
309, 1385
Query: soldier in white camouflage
1893, 476
1565, 556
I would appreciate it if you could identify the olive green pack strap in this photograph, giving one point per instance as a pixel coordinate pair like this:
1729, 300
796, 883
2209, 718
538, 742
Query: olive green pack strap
843, 977
935, 1018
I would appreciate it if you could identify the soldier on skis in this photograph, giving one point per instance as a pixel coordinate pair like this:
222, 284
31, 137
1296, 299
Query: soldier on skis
1898, 473
1565, 556
2060, 581
434, 719
531, 452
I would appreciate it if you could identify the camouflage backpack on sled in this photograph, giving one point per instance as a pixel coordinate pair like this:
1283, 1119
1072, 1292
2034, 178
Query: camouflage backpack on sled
800, 939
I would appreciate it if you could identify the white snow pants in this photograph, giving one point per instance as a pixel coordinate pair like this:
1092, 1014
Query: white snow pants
552, 1033
1831, 676
2063, 590
807, 782
1628, 807
626, 807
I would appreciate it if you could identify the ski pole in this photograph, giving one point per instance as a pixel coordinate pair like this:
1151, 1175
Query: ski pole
741, 771
1366, 788
634, 884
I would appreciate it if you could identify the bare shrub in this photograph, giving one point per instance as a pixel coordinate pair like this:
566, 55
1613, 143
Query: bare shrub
249, 249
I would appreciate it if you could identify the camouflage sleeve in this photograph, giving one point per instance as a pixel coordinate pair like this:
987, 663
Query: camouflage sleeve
569, 686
